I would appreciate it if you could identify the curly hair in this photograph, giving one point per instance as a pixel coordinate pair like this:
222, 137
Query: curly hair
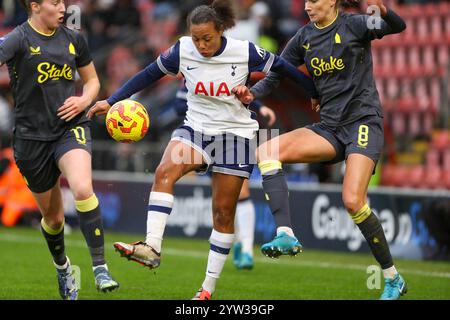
220, 12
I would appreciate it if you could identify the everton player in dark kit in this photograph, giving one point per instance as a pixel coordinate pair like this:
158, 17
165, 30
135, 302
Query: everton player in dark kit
52, 134
336, 48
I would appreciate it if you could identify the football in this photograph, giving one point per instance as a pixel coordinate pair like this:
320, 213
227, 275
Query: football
127, 121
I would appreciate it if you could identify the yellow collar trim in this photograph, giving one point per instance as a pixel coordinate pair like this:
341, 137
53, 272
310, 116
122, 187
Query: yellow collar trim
41, 33
334, 20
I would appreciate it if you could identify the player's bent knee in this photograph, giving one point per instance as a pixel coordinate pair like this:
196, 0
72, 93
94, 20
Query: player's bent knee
54, 223
166, 174
263, 153
353, 203
223, 216
82, 190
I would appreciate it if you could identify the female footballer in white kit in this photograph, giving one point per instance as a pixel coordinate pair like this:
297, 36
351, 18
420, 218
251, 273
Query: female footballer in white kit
217, 125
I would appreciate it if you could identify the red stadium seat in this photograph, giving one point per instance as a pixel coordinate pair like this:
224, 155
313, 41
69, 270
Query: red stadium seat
433, 178
428, 123
406, 104
432, 157
441, 140
415, 127
422, 99
443, 8
392, 88
398, 123
443, 55
423, 31
435, 93
446, 178
394, 40
415, 11
430, 10
446, 160
409, 33
400, 60
386, 66
437, 29
447, 28
415, 68
401, 176
416, 175
387, 174
429, 64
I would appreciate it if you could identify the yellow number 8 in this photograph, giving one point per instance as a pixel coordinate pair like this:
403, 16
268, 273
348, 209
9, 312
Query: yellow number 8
80, 135
363, 135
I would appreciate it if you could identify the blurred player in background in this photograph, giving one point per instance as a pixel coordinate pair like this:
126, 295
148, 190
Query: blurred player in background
212, 66
336, 48
52, 133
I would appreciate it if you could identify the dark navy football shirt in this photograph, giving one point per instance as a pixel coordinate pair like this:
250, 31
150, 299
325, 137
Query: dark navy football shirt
42, 72
339, 59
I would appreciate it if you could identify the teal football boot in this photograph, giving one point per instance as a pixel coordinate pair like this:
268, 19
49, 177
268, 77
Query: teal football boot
246, 261
237, 253
394, 288
283, 244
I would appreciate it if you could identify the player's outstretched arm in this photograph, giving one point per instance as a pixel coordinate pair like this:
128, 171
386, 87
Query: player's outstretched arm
73, 106
167, 63
293, 53
283, 67
279, 69
140, 81
9, 45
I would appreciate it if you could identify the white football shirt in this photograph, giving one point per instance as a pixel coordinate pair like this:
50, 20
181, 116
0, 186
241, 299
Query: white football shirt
212, 107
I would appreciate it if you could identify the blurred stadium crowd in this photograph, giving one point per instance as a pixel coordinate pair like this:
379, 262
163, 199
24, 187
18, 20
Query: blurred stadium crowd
412, 72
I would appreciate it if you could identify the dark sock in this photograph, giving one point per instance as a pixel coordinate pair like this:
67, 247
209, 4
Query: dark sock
55, 243
277, 194
374, 234
91, 225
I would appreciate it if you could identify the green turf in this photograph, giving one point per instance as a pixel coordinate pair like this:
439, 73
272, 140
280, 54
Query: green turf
27, 273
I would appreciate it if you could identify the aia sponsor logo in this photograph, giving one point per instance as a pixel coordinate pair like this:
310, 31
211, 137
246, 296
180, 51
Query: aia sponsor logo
212, 89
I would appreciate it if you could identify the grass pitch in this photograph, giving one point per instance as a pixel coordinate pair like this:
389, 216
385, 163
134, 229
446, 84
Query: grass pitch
28, 273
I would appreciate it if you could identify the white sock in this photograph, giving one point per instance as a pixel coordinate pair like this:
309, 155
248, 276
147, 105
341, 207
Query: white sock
288, 230
63, 266
245, 222
159, 208
220, 244
102, 265
389, 273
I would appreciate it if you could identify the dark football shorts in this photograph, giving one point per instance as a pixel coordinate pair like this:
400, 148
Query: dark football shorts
364, 136
223, 153
38, 160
